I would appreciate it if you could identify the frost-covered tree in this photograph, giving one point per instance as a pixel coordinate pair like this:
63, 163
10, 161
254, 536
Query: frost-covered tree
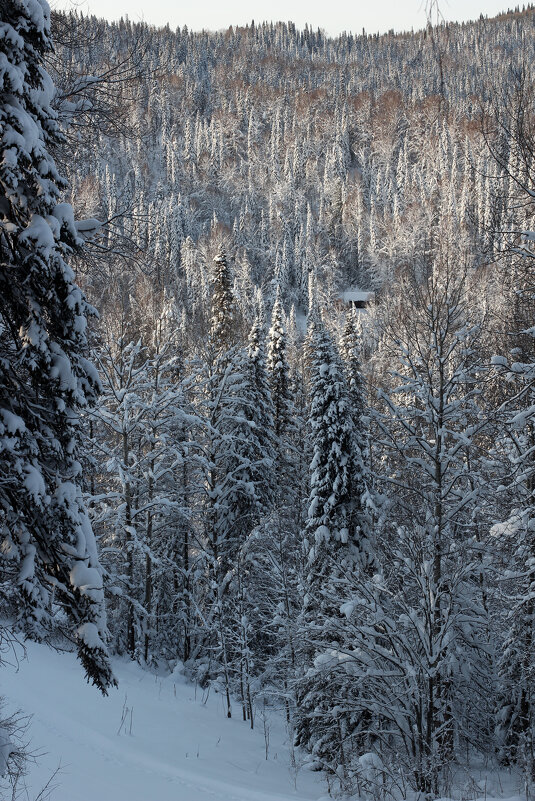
335, 547
140, 437
238, 456
509, 134
49, 555
117, 432
340, 184
514, 533
223, 304
429, 616
351, 352
277, 365
253, 635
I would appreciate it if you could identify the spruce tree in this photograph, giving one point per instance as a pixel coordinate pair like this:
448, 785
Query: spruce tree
351, 352
277, 365
49, 554
223, 304
333, 551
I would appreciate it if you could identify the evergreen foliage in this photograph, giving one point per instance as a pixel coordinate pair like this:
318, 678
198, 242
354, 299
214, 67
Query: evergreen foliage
346, 533
334, 550
49, 555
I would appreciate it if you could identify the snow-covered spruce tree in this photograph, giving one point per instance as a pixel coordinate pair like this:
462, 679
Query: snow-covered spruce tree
274, 547
214, 402
334, 548
236, 472
237, 456
351, 352
49, 555
284, 364
253, 641
277, 365
222, 323
261, 416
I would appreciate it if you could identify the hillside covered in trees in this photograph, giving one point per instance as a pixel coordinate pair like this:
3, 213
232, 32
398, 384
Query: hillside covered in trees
308, 457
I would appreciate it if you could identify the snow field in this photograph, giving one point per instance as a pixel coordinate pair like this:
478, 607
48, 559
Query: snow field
152, 739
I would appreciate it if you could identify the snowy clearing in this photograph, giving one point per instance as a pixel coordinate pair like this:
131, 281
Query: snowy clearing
180, 748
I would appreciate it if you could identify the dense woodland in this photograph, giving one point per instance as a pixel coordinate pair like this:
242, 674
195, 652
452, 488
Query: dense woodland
315, 507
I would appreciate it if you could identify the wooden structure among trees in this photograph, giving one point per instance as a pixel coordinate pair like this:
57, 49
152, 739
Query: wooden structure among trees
356, 298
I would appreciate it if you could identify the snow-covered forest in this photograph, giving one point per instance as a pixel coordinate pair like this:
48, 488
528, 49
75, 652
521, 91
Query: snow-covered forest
267, 379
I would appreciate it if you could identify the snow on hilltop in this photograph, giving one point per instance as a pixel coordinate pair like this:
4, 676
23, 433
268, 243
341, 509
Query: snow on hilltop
179, 749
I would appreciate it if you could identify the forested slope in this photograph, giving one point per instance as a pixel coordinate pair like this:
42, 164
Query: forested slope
316, 507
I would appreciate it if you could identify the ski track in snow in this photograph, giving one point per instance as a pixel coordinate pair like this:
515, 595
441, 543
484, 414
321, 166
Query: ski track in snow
181, 749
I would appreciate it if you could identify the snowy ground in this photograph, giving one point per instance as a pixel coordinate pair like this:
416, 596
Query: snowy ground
158, 739
150, 740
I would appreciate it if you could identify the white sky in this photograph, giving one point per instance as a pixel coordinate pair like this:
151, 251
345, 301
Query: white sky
334, 15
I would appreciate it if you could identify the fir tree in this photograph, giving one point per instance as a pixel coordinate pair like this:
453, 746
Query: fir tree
277, 366
223, 304
351, 351
333, 551
49, 554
